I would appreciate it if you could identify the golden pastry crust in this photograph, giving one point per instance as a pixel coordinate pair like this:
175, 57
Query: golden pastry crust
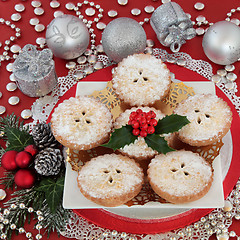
141, 80
110, 180
81, 123
210, 119
180, 176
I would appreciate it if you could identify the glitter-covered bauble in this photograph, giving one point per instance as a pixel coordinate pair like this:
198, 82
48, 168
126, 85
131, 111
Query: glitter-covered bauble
122, 37
221, 43
67, 37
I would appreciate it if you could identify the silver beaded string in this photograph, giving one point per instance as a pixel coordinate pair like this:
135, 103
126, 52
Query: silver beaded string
6, 45
5, 216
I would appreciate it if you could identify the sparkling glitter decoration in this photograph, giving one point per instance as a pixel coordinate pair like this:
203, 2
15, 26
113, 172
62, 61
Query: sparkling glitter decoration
100, 25
82, 60
36, 4
70, 6
41, 41
67, 36
149, 9
200, 31
135, 11
199, 6
39, 28
19, 7
36, 74
39, 11
58, 14
15, 48
14, 100
11, 86
26, 114
2, 110
54, 4
90, 11
122, 2
9, 67
229, 68
123, 37
112, 13
172, 31
70, 65
16, 17
34, 21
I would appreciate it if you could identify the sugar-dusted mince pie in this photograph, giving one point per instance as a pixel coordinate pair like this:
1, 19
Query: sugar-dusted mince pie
139, 149
210, 119
81, 123
180, 176
110, 180
141, 79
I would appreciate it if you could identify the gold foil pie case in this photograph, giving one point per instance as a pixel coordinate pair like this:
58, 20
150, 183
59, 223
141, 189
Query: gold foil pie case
177, 93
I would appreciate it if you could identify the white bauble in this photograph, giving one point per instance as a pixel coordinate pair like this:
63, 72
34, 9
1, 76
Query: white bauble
67, 37
221, 43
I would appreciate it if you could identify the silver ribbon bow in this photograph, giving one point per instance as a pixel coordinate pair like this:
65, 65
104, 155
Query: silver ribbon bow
32, 63
172, 26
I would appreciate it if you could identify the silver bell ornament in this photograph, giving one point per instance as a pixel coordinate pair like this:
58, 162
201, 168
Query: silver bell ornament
221, 43
172, 26
67, 37
123, 37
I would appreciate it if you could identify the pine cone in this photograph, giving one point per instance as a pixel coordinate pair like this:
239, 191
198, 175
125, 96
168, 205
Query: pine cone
43, 136
48, 162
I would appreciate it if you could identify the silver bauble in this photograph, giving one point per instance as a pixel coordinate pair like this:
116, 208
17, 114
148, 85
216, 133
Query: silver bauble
221, 43
67, 36
122, 37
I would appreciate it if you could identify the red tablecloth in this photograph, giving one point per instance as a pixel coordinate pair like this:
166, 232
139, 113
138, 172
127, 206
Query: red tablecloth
214, 11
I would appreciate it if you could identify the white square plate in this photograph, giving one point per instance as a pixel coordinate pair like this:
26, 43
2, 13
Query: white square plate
73, 199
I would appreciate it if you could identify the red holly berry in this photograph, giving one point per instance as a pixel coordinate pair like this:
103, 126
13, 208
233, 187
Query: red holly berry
135, 124
153, 122
139, 111
150, 130
135, 131
143, 121
144, 127
25, 178
152, 114
132, 115
32, 149
143, 133
23, 159
8, 160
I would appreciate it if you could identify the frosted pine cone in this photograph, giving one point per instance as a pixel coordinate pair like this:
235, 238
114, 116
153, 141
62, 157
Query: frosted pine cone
43, 136
48, 162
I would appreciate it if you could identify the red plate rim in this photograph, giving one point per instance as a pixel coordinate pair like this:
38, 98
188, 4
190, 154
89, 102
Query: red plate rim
113, 221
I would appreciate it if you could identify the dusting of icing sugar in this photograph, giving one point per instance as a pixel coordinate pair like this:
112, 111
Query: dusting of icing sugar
141, 79
180, 173
208, 115
81, 120
124, 173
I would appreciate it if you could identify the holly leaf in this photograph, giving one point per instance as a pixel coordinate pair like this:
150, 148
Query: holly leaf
121, 137
158, 143
53, 191
171, 123
18, 139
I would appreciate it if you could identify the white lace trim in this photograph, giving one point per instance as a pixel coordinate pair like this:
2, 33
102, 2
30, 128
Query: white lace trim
80, 228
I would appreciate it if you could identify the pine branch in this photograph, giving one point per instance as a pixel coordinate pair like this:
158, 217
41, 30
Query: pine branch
8, 180
36, 199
